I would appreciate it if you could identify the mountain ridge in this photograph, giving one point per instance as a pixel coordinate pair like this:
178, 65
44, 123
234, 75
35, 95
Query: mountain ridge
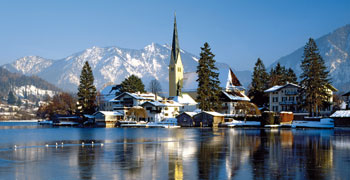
334, 47
109, 64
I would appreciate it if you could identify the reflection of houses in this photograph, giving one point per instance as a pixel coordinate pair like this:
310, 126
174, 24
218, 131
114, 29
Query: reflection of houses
185, 119
107, 118
208, 119
286, 98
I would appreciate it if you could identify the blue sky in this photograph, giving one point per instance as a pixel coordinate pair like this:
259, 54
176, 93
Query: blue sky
238, 31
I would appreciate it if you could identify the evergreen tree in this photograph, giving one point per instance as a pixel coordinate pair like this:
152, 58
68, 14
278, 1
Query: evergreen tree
259, 84
208, 81
19, 102
132, 84
11, 98
276, 75
290, 76
314, 79
86, 91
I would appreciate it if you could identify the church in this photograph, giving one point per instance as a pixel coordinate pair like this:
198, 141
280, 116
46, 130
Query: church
183, 86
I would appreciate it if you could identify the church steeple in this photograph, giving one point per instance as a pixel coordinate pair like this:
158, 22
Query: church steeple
175, 48
175, 66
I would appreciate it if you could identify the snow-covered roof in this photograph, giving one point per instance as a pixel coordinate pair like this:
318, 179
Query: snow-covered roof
341, 113
171, 103
190, 113
277, 87
236, 96
108, 93
139, 96
113, 113
154, 103
185, 99
213, 113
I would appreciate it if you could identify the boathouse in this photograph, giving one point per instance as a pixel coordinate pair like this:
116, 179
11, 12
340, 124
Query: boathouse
208, 119
341, 118
185, 119
107, 118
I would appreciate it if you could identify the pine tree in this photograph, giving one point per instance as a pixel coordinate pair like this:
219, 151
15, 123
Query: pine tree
11, 98
86, 91
132, 84
314, 79
259, 84
290, 76
208, 90
276, 75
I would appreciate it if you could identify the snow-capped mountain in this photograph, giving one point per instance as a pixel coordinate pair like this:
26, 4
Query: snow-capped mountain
109, 65
31, 90
335, 50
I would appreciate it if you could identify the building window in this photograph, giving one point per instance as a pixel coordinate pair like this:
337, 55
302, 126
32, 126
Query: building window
275, 99
178, 69
284, 99
172, 69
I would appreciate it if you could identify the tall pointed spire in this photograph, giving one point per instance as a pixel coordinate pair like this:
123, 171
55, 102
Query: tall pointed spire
175, 49
175, 66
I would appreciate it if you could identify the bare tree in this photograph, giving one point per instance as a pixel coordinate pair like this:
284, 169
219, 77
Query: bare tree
154, 87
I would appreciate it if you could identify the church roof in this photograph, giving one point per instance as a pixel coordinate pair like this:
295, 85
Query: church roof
232, 79
175, 48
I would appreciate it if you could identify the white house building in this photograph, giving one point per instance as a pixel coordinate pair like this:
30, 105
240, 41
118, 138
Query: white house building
286, 98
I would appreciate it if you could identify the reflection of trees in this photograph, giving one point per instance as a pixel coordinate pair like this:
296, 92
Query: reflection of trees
86, 162
210, 155
319, 158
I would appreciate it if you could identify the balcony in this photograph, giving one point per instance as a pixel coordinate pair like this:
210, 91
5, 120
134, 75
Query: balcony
288, 103
291, 93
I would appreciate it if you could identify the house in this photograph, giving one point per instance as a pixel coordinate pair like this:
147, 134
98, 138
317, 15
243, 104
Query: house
347, 99
105, 96
208, 119
155, 110
187, 102
185, 119
171, 109
126, 100
108, 118
286, 98
341, 118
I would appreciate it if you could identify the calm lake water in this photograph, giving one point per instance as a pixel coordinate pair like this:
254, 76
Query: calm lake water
196, 153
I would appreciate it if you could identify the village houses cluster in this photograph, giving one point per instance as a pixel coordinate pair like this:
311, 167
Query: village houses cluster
181, 107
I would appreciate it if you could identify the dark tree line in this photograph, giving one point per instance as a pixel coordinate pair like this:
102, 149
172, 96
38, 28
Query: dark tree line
314, 80
261, 80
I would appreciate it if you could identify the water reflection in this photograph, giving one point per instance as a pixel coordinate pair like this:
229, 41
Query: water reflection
177, 154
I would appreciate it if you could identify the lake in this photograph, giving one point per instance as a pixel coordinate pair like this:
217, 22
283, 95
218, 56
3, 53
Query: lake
29, 151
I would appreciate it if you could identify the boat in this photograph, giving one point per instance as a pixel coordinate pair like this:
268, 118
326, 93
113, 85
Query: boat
45, 122
165, 123
325, 123
235, 123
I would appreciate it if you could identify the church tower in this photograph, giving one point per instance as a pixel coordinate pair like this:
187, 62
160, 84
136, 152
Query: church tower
175, 66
